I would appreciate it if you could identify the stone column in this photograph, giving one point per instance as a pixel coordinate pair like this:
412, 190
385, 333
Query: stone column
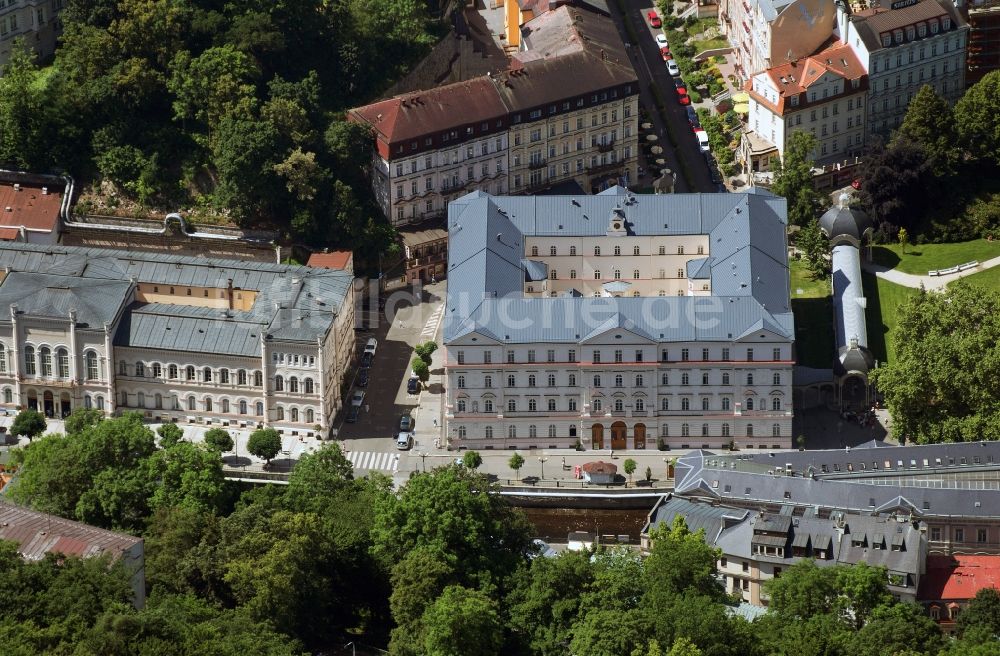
325, 418
15, 361
264, 359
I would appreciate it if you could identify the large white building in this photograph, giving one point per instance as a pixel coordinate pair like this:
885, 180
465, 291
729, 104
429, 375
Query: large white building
177, 338
35, 22
618, 320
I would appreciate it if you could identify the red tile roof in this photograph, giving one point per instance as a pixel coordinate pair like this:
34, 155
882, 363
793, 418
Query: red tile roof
10, 234
335, 260
958, 577
600, 467
39, 533
796, 77
29, 207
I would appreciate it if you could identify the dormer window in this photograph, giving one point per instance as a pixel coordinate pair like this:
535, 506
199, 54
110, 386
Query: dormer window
922, 30
945, 23
898, 36
886, 40
934, 26
910, 33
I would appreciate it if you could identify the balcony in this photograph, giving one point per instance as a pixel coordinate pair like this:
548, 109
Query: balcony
536, 164
605, 147
604, 168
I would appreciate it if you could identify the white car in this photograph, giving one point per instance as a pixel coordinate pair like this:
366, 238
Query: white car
672, 68
371, 345
404, 441
358, 398
661, 40
702, 138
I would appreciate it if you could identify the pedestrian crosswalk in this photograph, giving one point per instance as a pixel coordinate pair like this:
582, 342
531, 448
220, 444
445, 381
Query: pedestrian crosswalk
374, 460
431, 327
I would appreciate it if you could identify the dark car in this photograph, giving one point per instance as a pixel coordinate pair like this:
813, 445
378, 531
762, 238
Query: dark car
363, 378
413, 386
692, 115
366, 359
405, 423
353, 413
679, 82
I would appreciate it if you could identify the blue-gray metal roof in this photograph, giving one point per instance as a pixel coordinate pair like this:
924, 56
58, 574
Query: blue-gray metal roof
148, 328
747, 267
95, 301
848, 296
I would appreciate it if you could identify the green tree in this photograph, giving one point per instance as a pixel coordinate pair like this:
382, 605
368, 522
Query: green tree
941, 386
975, 117
425, 351
610, 633
863, 588
982, 614
472, 459
417, 580
28, 423
515, 463
898, 628
421, 369
321, 474
930, 122
81, 419
181, 553
170, 434
896, 185
185, 474
462, 622
680, 561
815, 246
23, 109
303, 175
793, 179
803, 591
264, 443
219, 440
904, 238
208, 86
629, 466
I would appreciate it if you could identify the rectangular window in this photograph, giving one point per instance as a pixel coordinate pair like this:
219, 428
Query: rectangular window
597, 356
461, 357
510, 357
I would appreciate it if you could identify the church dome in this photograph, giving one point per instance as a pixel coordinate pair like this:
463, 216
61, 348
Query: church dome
843, 222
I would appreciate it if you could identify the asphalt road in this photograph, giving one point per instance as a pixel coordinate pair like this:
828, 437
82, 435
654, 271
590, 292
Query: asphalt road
648, 64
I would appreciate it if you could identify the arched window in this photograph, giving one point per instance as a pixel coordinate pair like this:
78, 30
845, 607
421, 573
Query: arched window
307, 385
461, 405
62, 362
776, 404
776, 430
191, 404
279, 384
597, 274
552, 250
175, 403
90, 359
618, 250
532, 405
208, 404
664, 379
597, 250
224, 376
45, 361
140, 370
532, 431
552, 430
241, 377
29, 361
279, 413
206, 374
88, 402
685, 403
189, 372
704, 430
750, 378
635, 274
685, 430
158, 401
487, 405
704, 403
259, 408
665, 404
460, 381
293, 415
597, 405
243, 407
572, 250
172, 372
640, 405
725, 430
749, 404
310, 416
635, 250
749, 431
3, 358
618, 274
157, 370
100, 402
619, 405
225, 406
511, 405
488, 433
258, 379
512, 432
124, 399
551, 405
572, 274
534, 251
531, 380
8, 395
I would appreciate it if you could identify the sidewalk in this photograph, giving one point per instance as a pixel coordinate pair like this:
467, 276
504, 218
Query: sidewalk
928, 282
428, 433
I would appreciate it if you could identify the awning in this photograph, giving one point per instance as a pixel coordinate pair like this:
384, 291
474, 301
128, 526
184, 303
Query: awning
742, 108
741, 97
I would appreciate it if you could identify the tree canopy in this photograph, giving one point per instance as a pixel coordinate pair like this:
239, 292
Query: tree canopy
793, 179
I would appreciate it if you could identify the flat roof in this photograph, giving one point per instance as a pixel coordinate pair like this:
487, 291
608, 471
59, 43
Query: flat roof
30, 206
38, 533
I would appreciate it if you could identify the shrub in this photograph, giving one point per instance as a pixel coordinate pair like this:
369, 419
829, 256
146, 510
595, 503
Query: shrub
695, 96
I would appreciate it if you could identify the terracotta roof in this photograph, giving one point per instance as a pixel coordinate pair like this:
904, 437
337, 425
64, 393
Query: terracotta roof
870, 23
10, 234
39, 533
600, 467
415, 116
795, 78
335, 260
29, 207
958, 577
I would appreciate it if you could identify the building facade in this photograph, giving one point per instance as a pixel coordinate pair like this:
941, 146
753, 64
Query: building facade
566, 110
176, 338
36, 22
618, 322
904, 47
823, 94
983, 51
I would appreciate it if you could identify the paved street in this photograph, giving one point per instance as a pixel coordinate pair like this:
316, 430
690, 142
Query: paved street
648, 64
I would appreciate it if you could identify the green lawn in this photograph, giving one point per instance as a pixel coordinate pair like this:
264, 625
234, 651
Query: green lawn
813, 310
884, 300
989, 279
709, 44
922, 258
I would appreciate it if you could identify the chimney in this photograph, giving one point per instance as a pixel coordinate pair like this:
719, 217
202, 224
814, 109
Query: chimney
45, 191
17, 186
229, 292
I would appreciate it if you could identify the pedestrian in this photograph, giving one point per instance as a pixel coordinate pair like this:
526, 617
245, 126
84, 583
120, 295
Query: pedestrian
366, 408
435, 423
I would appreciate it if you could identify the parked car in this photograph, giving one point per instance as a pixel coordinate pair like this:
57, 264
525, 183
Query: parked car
654, 18
353, 413
371, 345
405, 423
363, 377
661, 40
542, 548
684, 100
692, 115
702, 138
413, 386
404, 441
366, 360
681, 90
672, 68
856, 183
679, 82
358, 398
665, 53
715, 174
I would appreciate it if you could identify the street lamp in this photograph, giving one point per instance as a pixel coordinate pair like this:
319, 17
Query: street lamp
423, 461
351, 645
542, 461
